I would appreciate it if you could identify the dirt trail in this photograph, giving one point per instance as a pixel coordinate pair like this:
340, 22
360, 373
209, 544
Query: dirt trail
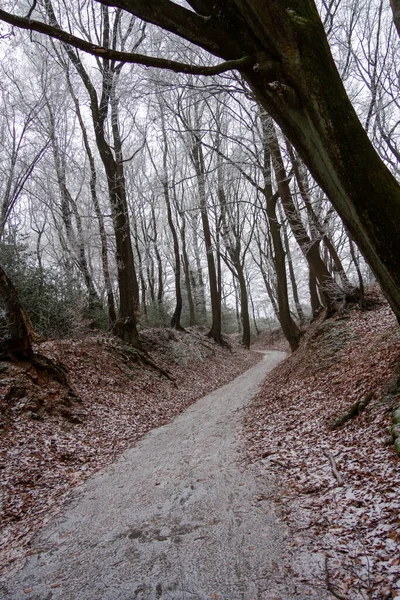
176, 517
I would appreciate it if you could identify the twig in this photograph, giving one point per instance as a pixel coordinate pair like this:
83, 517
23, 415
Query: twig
329, 586
334, 466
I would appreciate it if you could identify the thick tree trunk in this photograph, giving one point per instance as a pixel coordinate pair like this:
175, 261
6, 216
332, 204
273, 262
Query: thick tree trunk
129, 303
303, 92
395, 4
99, 215
19, 342
289, 327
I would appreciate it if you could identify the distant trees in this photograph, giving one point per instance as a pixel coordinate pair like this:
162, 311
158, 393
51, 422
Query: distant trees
170, 199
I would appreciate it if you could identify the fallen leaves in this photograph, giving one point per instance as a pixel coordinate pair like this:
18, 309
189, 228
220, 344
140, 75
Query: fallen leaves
41, 460
340, 362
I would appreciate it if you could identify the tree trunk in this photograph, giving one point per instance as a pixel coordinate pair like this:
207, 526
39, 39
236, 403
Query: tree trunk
309, 248
186, 270
99, 216
199, 287
299, 308
395, 4
176, 317
289, 327
303, 92
244, 307
316, 227
316, 305
216, 325
19, 343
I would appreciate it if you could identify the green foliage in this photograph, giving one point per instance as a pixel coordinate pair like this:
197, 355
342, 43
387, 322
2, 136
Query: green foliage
158, 314
229, 320
53, 298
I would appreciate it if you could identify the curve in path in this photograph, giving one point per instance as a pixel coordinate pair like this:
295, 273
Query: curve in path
176, 517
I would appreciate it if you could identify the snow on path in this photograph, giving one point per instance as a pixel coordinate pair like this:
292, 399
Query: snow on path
177, 517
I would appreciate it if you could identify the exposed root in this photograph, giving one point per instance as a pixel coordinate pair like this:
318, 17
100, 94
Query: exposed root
219, 340
355, 409
139, 355
58, 372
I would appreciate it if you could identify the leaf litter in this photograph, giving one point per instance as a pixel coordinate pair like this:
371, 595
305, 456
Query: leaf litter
289, 426
51, 440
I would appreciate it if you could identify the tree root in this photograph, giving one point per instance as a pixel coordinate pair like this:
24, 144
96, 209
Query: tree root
355, 409
139, 355
43, 363
220, 341
329, 585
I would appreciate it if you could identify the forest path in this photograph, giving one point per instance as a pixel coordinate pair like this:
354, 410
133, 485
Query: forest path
176, 517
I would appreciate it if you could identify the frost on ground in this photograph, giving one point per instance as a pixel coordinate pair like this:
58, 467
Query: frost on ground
289, 426
50, 440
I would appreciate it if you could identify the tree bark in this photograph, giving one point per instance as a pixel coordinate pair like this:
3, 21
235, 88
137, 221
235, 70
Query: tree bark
310, 249
186, 270
297, 303
290, 329
176, 317
395, 4
295, 78
19, 342
99, 216
216, 325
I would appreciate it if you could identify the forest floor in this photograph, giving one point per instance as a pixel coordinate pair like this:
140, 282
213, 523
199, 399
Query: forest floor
290, 430
51, 441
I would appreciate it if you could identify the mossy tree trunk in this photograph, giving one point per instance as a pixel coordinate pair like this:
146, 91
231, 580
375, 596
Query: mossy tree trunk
306, 97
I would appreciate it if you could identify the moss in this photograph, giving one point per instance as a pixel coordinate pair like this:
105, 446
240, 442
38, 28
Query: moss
297, 20
396, 415
397, 445
395, 431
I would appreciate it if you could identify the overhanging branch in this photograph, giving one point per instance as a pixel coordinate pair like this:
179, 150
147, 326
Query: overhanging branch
124, 57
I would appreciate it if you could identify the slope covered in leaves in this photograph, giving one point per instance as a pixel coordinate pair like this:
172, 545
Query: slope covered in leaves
290, 429
52, 440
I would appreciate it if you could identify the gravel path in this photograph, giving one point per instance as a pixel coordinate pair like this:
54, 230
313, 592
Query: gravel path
176, 517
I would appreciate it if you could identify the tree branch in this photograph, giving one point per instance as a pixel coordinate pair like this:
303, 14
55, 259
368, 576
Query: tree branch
124, 57
208, 32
